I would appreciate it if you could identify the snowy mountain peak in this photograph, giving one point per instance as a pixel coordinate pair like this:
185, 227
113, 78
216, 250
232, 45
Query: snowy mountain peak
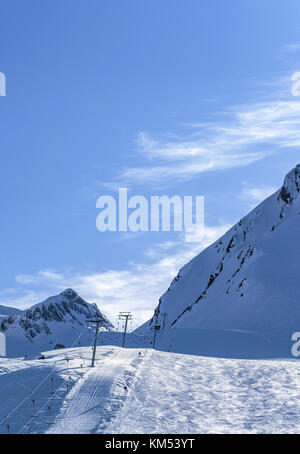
67, 296
291, 186
56, 321
69, 293
67, 306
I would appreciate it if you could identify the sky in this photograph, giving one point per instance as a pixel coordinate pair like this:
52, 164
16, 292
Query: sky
180, 97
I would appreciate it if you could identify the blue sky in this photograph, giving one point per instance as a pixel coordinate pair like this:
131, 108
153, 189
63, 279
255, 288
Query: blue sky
179, 97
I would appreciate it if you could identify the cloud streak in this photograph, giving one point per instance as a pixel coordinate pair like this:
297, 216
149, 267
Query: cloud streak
219, 145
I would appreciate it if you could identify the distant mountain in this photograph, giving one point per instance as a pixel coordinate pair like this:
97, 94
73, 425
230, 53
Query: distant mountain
7, 310
241, 295
58, 320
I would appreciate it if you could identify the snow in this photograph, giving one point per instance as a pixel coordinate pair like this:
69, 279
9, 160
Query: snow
19, 377
56, 321
95, 400
166, 393
7, 310
223, 363
247, 281
176, 393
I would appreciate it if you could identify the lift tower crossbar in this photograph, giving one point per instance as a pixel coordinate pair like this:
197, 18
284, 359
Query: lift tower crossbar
125, 316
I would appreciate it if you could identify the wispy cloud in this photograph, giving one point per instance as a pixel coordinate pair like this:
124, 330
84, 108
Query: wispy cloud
33, 279
219, 145
291, 47
255, 195
184, 159
136, 288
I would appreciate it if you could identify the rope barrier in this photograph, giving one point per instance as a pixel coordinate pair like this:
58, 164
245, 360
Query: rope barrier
53, 393
37, 387
50, 399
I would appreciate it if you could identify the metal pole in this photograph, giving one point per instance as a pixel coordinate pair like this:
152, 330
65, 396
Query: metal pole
98, 324
125, 330
125, 316
154, 339
95, 343
155, 329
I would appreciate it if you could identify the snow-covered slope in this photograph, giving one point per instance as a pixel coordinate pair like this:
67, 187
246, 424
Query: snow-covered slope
7, 310
58, 320
174, 393
165, 393
243, 291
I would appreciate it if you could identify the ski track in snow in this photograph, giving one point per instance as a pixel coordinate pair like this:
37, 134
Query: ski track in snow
166, 393
94, 401
176, 393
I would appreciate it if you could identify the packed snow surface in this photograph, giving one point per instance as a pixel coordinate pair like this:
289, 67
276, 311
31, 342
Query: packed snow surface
165, 393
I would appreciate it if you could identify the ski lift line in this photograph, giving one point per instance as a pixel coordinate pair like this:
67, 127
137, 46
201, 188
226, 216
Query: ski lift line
50, 399
37, 387
41, 408
29, 395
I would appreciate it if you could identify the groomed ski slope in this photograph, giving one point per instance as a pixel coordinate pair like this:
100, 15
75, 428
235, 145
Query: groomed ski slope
173, 393
29, 387
95, 400
166, 393
176, 393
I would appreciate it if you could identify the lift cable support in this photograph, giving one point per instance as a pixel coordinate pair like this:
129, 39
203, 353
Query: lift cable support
99, 323
125, 316
155, 328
